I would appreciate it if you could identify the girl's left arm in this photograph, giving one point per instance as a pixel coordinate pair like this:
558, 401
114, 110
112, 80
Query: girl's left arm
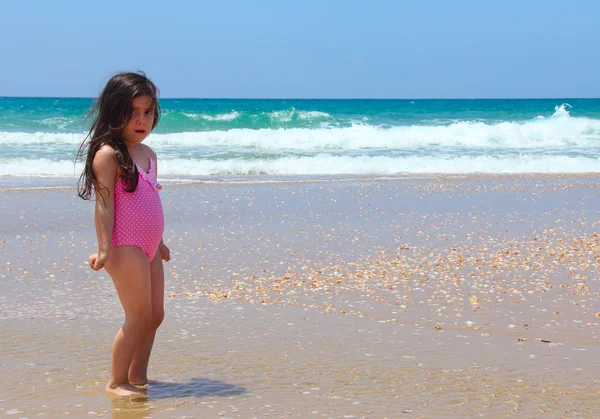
165, 252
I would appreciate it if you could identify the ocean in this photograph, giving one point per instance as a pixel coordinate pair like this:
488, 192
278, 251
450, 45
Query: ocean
251, 140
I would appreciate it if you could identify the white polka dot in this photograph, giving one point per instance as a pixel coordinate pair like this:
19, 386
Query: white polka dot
139, 218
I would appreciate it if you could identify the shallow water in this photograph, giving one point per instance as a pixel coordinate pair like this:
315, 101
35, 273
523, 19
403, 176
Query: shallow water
464, 298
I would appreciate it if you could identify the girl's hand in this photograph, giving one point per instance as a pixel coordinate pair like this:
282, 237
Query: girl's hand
165, 253
98, 260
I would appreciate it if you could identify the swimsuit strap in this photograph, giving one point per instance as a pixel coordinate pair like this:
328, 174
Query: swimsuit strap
150, 161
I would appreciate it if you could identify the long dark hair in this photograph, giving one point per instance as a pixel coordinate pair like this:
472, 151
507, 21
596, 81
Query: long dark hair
111, 114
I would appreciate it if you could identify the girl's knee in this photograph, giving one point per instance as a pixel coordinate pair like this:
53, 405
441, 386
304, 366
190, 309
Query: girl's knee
157, 318
141, 317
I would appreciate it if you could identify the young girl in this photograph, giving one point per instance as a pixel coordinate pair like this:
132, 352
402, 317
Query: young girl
121, 171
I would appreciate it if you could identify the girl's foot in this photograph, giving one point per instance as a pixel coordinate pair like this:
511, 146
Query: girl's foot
124, 390
138, 381
145, 384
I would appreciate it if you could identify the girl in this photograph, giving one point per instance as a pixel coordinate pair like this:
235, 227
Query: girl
122, 172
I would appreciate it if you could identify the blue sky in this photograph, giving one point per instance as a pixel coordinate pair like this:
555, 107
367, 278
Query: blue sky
306, 48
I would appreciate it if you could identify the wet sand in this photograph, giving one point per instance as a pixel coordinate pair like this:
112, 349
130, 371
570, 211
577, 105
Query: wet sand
423, 297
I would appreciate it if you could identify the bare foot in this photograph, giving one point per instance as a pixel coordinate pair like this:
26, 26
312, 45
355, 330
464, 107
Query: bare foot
138, 381
124, 390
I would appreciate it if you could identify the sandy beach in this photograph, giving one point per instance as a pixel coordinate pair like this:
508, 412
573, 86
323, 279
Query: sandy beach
471, 296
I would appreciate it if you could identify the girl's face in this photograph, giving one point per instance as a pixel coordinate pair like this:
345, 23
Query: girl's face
141, 121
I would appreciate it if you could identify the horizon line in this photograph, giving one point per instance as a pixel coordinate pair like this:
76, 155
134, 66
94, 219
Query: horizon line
319, 98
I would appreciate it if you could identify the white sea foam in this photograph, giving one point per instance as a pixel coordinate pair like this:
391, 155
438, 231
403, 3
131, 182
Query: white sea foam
324, 164
57, 122
39, 138
561, 111
287, 115
39, 167
550, 132
312, 115
559, 130
222, 117
339, 165
556, 144
281, 116
219, 117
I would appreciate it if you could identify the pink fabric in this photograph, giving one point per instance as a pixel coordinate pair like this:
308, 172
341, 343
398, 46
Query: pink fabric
139, 218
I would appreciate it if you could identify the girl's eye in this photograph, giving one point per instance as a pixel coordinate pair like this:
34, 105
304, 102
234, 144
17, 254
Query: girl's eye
149, 112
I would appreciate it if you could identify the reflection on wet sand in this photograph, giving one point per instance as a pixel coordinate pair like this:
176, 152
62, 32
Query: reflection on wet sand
130, 408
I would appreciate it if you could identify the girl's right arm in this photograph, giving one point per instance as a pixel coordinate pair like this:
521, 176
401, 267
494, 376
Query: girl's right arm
105, 168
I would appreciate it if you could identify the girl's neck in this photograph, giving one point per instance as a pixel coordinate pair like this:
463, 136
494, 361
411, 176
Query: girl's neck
133, 147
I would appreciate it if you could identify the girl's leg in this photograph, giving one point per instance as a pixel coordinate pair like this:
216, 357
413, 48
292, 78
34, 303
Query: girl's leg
130, 271
138, 371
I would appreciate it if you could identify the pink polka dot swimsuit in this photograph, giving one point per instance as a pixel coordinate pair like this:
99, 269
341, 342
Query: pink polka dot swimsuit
139, 219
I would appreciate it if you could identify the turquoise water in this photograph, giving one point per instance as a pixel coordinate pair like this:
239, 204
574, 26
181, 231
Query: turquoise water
183, 115
227, 139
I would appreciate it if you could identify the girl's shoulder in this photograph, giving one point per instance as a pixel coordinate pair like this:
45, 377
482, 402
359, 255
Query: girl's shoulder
106, 156
149, 151
106, 150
